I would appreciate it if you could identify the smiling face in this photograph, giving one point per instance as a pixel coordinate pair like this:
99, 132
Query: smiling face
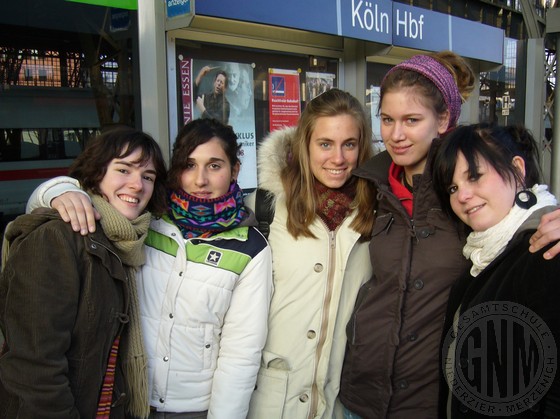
481, 201
333, 149
209, 172
408, 128
128, 185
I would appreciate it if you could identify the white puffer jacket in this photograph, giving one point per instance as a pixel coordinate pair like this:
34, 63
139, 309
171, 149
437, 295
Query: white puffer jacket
315, 286
204, 318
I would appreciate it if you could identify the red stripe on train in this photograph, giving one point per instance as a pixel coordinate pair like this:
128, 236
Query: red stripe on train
41, 173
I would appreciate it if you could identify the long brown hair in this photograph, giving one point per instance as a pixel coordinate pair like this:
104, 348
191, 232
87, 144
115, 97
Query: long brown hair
298, 179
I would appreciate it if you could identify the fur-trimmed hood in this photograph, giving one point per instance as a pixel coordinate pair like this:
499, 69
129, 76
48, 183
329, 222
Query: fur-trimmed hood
271, 159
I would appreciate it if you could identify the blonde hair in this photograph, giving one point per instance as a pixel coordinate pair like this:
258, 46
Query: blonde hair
297, 177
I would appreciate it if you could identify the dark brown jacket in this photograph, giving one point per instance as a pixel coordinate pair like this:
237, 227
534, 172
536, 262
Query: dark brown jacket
63, 301
391, 367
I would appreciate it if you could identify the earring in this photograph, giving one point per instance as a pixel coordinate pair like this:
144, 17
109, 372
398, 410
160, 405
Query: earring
525, 199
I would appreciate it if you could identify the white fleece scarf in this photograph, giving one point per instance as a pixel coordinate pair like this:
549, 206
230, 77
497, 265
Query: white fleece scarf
484, 246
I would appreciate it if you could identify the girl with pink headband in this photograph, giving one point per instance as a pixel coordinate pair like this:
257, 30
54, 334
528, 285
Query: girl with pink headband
391, 366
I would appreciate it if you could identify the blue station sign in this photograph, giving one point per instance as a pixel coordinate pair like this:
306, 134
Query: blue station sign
381, 21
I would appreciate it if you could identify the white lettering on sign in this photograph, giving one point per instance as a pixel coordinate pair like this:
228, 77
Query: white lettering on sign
171, 3
365, 15
186, 87
411, 27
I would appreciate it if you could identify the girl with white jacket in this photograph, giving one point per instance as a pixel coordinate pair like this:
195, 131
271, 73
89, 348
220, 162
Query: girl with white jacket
319, 236
205, 289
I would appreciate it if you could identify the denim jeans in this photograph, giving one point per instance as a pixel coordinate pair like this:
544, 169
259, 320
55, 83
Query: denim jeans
349, 415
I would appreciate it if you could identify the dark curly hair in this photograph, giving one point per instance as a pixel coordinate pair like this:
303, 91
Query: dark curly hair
195, 133
91, 165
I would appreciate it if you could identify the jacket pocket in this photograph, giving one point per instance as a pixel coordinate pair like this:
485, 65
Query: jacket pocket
362, 294
269, 397
196, 348
382, 224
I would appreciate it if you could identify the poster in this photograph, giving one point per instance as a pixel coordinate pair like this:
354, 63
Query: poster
378, 144
223, 90
317, 83
284, 99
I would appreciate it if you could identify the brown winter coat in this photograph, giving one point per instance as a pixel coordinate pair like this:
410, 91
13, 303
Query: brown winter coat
62, 303
391, 367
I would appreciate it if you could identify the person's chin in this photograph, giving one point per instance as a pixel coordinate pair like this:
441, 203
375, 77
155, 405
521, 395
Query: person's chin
335, 184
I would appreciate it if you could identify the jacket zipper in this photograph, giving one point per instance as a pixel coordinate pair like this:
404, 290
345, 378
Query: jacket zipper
324, 322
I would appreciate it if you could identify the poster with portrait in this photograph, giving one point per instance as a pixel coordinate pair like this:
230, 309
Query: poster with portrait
223, 90
284, 106
317, 83
373, 104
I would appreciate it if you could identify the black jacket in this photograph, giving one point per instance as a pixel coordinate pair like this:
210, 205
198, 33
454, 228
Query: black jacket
515, 277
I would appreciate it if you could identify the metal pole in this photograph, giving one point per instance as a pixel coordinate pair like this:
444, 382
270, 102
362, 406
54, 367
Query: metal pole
555, 165
153, 71
553, 30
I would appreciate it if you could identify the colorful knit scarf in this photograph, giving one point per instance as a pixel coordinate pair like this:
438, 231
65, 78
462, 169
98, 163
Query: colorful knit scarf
334, 204
198, 217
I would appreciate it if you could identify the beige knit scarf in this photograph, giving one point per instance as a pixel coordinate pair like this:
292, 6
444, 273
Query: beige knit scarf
128, 239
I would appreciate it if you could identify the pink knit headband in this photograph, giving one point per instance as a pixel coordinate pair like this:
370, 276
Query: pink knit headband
439, 75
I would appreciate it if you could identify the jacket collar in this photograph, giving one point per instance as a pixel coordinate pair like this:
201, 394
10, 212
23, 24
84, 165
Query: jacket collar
376, 169
165, 226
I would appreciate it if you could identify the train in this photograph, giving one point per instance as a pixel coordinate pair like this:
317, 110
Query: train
42, 131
